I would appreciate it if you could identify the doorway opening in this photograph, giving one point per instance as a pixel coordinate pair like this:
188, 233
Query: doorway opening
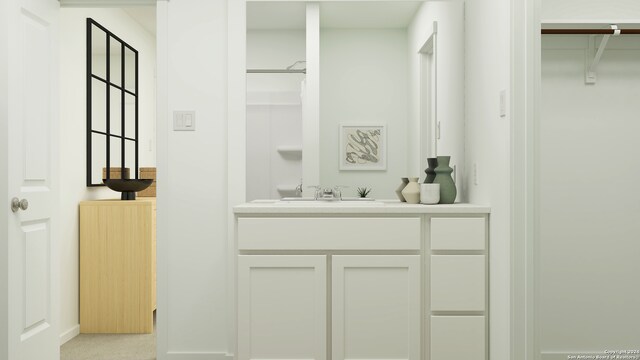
87, 329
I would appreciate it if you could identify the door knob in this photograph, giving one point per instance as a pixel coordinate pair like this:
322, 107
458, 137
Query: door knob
17, 204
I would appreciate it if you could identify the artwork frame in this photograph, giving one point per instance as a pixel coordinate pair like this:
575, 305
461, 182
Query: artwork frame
362, 143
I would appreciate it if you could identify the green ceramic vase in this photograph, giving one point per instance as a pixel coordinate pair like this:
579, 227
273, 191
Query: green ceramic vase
431, 170
448, 189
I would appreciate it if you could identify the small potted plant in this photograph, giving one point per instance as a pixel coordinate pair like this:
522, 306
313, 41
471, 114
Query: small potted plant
364, 191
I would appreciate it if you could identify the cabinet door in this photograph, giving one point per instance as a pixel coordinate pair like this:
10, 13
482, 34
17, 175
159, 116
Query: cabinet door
376, 307
282, 309
458, 337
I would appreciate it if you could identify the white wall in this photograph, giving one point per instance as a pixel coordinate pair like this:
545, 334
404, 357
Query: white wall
577, 273
590, 9
487, 47
364, 79
589, 168
73, 134
192, 180
450, 84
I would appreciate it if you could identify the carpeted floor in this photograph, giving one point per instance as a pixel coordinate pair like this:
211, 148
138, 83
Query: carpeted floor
110, 347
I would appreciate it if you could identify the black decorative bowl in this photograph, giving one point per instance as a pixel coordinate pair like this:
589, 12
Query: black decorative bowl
128, 187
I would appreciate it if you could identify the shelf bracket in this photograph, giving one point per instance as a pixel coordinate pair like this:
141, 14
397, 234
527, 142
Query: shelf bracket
592, 65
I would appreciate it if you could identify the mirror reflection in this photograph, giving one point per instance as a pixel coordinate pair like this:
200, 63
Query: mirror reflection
344, 93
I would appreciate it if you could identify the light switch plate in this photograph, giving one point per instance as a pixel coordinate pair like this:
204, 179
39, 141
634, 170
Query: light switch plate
184, 121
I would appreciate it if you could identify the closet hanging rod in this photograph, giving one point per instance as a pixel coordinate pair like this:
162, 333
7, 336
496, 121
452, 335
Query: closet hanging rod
589, 31
276, 71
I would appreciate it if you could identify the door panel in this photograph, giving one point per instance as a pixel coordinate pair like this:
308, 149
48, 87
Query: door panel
376, 307
458, 337
32, 175
36, 274
36, 76
282, 310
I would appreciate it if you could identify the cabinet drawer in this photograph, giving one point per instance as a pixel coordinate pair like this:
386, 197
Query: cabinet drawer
458, 233
329, 233
458, 283
458, 337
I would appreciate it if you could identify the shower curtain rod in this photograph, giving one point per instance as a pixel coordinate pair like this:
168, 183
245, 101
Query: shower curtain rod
276, 71
589, 31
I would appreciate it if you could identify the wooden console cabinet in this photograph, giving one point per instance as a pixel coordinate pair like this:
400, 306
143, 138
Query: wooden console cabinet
117, 266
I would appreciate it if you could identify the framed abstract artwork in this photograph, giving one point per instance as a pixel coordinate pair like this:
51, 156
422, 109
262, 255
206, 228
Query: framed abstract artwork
363, 147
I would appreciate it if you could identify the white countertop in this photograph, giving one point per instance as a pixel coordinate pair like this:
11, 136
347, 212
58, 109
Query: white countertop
349, 207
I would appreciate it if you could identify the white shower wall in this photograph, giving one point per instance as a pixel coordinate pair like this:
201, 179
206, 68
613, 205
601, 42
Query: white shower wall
274, 133
274, 113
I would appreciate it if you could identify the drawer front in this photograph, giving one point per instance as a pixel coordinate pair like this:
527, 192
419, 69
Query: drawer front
458, 283
458, 233
458, 337
329, 233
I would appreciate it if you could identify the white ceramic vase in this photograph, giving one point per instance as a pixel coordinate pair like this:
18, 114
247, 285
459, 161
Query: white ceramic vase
411, 192
429, 194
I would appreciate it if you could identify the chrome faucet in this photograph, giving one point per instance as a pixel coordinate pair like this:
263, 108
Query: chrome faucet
299, 189
328, 194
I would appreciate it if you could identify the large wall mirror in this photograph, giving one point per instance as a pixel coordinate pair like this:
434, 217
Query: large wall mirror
320, 75
112, 106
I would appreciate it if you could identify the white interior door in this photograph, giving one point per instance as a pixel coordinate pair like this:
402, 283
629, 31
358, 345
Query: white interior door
32, 132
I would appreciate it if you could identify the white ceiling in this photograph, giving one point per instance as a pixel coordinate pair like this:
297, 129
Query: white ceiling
276, 15
144, 15
367, 14
333, 14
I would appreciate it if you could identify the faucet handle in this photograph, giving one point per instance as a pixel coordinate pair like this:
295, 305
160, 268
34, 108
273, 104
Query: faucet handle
338, 190
299, 188
317, 188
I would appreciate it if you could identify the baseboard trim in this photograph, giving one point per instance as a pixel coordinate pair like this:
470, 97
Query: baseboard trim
69, 334
196, 356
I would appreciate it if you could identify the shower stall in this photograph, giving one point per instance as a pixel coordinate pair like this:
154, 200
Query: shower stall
274, 134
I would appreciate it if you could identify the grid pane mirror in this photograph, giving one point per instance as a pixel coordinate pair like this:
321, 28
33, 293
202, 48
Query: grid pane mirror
112, 106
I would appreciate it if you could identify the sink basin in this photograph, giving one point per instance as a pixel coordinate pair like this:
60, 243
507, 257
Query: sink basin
128, 187
341, 203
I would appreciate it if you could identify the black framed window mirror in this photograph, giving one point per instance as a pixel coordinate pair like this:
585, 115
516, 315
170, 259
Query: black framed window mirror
112, 109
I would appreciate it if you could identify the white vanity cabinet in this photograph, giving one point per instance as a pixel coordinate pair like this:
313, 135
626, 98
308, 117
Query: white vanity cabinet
341, 284
457, 275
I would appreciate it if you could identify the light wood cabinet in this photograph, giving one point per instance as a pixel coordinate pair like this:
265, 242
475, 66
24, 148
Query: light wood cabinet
117, 266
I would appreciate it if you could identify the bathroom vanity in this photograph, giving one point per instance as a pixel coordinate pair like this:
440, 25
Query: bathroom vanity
348, 280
